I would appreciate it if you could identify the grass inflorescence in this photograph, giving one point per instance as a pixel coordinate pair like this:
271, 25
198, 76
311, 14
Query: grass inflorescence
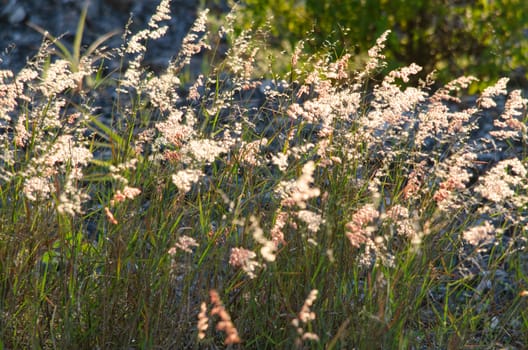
323, 209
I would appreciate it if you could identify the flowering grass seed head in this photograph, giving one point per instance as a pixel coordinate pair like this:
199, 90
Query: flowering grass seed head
398, 158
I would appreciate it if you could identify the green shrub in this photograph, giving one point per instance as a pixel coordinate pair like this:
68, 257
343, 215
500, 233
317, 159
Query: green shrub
484, 38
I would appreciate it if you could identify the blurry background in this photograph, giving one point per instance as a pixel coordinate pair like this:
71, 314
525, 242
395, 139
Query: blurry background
485, 38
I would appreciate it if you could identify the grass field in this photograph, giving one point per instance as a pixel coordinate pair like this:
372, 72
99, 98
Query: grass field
324, 209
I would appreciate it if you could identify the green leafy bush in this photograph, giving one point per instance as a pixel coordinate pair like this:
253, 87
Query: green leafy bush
484, 38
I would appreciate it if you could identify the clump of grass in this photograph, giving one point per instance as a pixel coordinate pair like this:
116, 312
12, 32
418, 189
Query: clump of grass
316, 210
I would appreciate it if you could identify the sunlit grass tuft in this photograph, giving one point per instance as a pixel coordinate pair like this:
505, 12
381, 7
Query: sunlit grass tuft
321, 209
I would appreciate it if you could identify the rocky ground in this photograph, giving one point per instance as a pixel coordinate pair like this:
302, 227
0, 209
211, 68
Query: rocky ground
19, 40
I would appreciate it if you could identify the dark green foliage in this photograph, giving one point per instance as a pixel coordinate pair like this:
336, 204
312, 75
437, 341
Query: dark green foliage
484, 38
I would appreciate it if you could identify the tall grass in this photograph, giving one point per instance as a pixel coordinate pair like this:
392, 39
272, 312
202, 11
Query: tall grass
323, 209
